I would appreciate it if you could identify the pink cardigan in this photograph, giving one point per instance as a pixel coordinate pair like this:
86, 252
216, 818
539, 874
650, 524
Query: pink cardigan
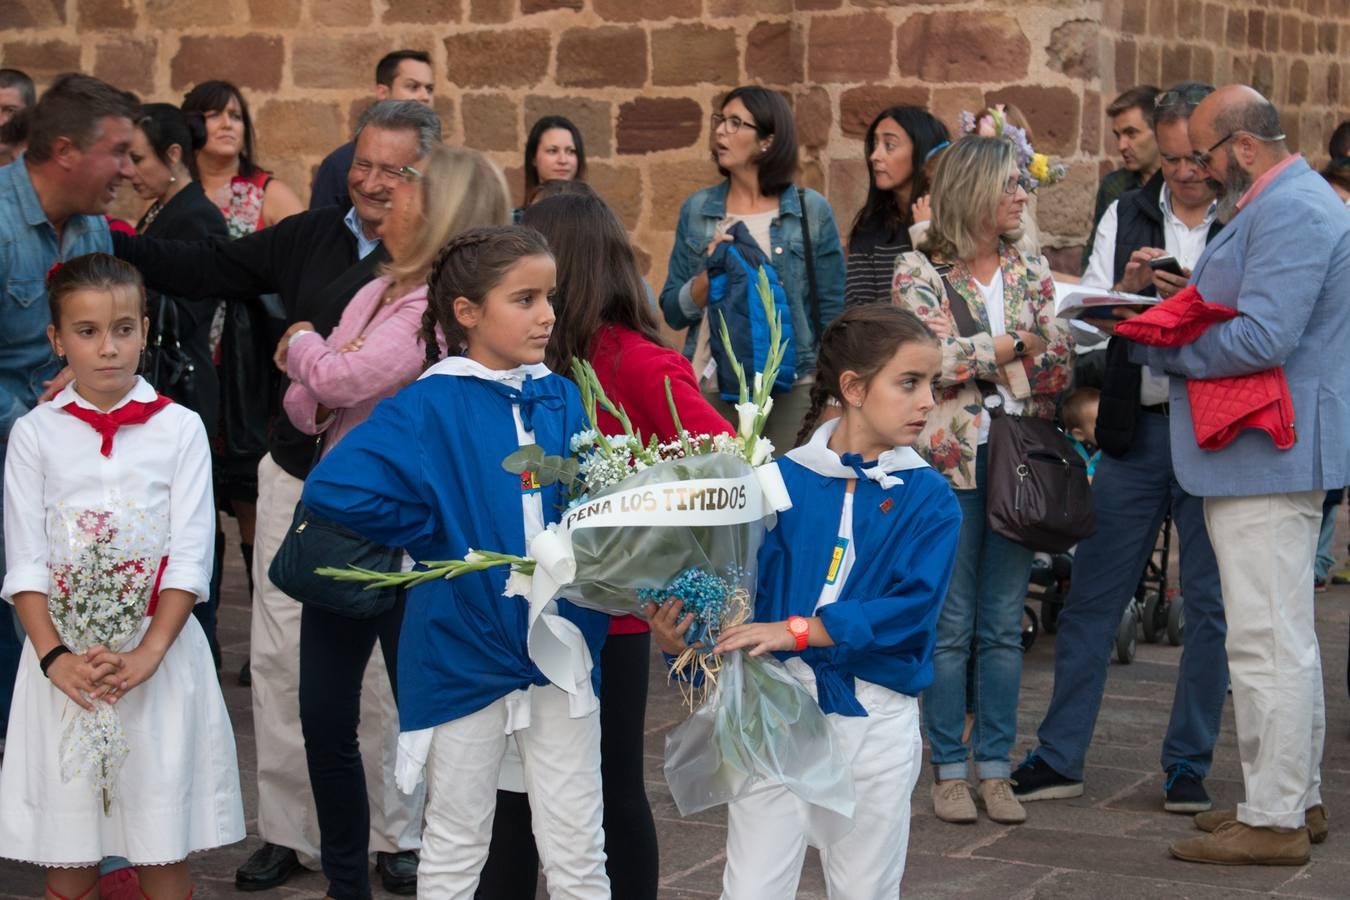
351, 384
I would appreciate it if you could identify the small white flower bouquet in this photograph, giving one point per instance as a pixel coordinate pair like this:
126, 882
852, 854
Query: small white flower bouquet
100, 587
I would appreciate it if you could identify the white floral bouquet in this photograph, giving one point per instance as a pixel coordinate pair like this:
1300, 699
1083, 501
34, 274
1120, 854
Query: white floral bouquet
101, 580
651, 522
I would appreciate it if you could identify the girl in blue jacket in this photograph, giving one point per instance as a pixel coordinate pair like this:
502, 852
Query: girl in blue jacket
425, 472
851, 580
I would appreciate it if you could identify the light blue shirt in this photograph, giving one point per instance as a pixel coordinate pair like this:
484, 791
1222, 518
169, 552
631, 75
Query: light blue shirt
364, 245
29, 245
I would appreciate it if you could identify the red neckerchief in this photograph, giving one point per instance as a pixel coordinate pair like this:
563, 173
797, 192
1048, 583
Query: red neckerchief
134, 412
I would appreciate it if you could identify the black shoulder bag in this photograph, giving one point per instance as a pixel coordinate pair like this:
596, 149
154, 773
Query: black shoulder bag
314, 542
1037, 492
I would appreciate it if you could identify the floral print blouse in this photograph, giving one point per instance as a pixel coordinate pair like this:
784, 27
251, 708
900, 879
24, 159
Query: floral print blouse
949, 440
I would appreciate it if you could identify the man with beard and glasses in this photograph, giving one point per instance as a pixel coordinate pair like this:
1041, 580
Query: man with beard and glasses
1283, 262
1172, 215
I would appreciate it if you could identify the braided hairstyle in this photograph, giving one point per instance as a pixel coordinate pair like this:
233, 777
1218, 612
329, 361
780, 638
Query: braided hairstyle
862, 341
470, 265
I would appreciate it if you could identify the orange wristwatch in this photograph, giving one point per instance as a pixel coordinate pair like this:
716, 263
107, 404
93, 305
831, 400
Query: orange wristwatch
800, 629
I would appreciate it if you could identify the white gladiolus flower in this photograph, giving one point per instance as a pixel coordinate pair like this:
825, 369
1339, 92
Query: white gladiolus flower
518, 584
763, 452
768, 406
745, 418
759, 382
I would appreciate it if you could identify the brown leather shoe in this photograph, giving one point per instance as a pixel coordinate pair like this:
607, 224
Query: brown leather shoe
1315, 818
1236, 844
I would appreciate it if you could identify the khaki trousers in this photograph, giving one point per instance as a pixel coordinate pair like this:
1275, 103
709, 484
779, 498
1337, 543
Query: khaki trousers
285, 801
1265, 546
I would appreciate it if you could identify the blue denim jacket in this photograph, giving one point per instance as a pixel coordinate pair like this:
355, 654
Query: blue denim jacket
698, 223
28, 247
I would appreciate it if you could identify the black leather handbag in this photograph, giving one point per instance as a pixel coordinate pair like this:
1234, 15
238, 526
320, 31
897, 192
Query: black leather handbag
1037, 492
167, 366
314, 542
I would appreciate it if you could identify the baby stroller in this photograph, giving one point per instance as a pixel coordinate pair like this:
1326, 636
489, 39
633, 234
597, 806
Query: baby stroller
1049, 584
1151, 607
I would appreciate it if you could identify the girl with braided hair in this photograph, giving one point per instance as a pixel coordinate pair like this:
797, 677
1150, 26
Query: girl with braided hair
851, 580
425, 472
375, 349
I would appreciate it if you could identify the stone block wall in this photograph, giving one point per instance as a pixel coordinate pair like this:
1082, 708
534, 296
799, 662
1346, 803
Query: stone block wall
640, 76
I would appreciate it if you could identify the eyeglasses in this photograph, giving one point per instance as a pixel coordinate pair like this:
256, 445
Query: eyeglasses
391, 173
733, 123
1203, 159
1190, 96
1018, 181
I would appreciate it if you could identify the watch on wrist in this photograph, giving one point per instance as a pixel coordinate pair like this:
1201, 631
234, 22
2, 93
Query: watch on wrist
800, 629
1019, 345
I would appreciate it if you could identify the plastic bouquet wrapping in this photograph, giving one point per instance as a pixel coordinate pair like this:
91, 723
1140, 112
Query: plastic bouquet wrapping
654, 523
102, 572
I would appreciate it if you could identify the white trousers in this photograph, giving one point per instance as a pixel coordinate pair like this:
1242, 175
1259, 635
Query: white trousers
285, 800
561, 757
767, 831
1265, 547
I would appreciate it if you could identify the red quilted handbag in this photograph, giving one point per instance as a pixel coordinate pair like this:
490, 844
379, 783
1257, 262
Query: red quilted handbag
1220, 407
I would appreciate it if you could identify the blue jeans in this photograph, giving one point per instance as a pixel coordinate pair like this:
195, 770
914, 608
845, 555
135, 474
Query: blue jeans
1130, 494
984, 607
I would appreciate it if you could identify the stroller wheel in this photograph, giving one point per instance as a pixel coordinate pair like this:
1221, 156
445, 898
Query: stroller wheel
1031, 627
1154, 619
1176, 621
1127, 635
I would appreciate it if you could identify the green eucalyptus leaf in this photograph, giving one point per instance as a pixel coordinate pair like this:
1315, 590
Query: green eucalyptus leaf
526, 459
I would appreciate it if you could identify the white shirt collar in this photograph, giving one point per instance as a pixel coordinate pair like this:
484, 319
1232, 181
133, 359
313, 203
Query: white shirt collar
141, 391
817, 456
465, 367
1165, 202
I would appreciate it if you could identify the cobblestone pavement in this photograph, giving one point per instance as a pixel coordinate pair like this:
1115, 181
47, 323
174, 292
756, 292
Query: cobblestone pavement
1111, 842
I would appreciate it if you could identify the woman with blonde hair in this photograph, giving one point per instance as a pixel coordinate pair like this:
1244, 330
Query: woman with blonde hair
375, 349
1020, 355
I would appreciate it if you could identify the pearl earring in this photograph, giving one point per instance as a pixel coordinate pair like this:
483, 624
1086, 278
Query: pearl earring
173, 179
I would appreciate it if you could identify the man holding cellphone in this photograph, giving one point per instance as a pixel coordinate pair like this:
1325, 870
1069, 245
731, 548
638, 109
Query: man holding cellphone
1172, 216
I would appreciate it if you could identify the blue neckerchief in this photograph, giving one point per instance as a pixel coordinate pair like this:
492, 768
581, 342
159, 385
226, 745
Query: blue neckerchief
855, 462
527, 397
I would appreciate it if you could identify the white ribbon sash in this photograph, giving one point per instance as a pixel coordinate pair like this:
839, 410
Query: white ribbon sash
702, 501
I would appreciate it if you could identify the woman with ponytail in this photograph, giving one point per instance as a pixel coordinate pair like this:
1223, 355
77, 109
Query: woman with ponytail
378, 347
425, 472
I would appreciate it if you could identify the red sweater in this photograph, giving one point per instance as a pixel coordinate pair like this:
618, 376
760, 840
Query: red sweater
633, 371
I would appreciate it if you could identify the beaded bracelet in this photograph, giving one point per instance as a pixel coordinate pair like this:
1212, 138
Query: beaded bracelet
50, 658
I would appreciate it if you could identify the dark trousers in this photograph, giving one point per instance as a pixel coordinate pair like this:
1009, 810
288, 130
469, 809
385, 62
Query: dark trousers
1131, 494
334, 651
631, 856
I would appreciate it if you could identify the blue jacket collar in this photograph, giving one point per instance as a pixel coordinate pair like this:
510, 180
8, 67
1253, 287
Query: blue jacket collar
715, 206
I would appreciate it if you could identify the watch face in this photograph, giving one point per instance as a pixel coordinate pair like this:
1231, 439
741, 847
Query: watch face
798, 626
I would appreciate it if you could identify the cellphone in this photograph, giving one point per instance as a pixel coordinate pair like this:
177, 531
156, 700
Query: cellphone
1167, 264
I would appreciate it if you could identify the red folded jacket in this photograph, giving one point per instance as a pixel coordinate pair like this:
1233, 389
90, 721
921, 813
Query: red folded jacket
1220, 407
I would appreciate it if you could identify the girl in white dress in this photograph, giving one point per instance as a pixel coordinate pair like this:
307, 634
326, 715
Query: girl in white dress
119, 743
